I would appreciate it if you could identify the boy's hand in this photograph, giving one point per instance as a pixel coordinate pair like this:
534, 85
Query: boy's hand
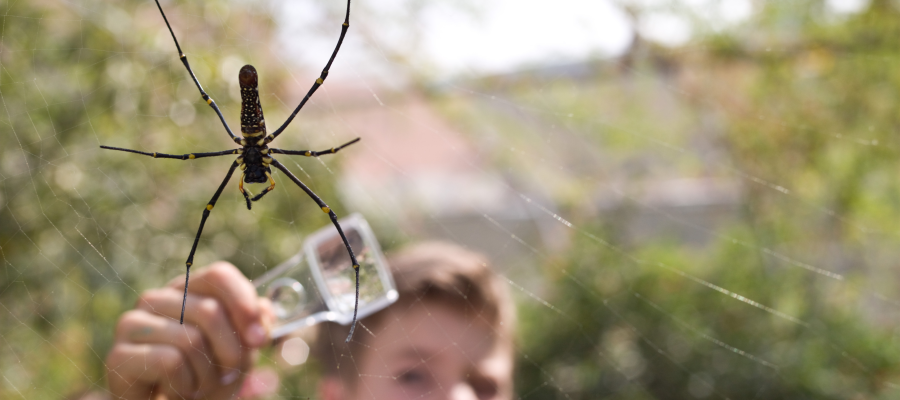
209, 356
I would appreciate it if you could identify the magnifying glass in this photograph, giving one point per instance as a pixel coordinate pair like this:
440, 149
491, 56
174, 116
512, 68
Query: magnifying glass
318, 283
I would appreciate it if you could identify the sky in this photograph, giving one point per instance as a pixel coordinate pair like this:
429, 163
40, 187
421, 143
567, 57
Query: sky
454, 37
512, 33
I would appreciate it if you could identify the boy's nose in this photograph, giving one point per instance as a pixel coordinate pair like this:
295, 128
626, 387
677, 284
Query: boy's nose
462, 391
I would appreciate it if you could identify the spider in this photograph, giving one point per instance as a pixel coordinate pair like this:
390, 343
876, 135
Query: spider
255, 157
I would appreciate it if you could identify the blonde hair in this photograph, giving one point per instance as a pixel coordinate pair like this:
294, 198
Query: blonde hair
434, 272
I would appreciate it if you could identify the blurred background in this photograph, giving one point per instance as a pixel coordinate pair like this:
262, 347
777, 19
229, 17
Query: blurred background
690, 198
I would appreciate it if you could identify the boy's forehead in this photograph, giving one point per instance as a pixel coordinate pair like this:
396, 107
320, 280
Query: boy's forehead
429, 330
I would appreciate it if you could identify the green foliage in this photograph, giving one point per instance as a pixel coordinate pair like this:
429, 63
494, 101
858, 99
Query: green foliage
83, 230
645, 325
808, 112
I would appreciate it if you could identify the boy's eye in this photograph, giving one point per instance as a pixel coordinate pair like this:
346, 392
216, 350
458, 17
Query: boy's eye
413, 377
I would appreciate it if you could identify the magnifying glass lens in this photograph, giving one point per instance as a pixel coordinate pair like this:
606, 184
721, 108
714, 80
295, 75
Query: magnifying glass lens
288, 297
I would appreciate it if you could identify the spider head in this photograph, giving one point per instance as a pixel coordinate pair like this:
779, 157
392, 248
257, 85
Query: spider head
255, 174
247, 77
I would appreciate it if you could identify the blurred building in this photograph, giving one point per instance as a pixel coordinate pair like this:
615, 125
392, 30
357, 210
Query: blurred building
419, 174
420, 171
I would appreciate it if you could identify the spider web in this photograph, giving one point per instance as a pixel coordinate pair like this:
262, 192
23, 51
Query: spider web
708, 220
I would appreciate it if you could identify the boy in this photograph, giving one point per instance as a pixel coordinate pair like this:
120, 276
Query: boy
449, 336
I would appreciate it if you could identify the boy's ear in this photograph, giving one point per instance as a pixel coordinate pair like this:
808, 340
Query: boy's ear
331, 388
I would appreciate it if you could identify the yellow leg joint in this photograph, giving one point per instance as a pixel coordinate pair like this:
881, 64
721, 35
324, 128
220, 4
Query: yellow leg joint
356, 266
188, 264
320, 81
191, 156
325, 210
272, 181
209, 207
209, 100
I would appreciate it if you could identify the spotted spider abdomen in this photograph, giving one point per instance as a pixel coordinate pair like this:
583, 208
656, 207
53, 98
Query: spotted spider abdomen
253, 124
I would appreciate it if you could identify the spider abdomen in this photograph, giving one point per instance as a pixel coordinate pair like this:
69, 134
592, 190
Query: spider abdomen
253, 124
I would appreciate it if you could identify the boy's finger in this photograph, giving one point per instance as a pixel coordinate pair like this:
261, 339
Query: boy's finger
206, 313
142, 327
140, 371
225, 282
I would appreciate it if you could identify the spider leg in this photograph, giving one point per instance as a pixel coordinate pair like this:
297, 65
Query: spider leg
310, 153
319, 81
209, 207
334, 221
203, 94
245, 192
189, 156
267, 190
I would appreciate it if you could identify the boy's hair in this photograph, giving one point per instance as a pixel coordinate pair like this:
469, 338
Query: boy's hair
428, 271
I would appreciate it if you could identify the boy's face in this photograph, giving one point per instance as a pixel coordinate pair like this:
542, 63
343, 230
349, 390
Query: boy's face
428, 351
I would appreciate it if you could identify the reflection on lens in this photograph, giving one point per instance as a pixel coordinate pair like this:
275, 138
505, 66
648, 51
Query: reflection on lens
288, 297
